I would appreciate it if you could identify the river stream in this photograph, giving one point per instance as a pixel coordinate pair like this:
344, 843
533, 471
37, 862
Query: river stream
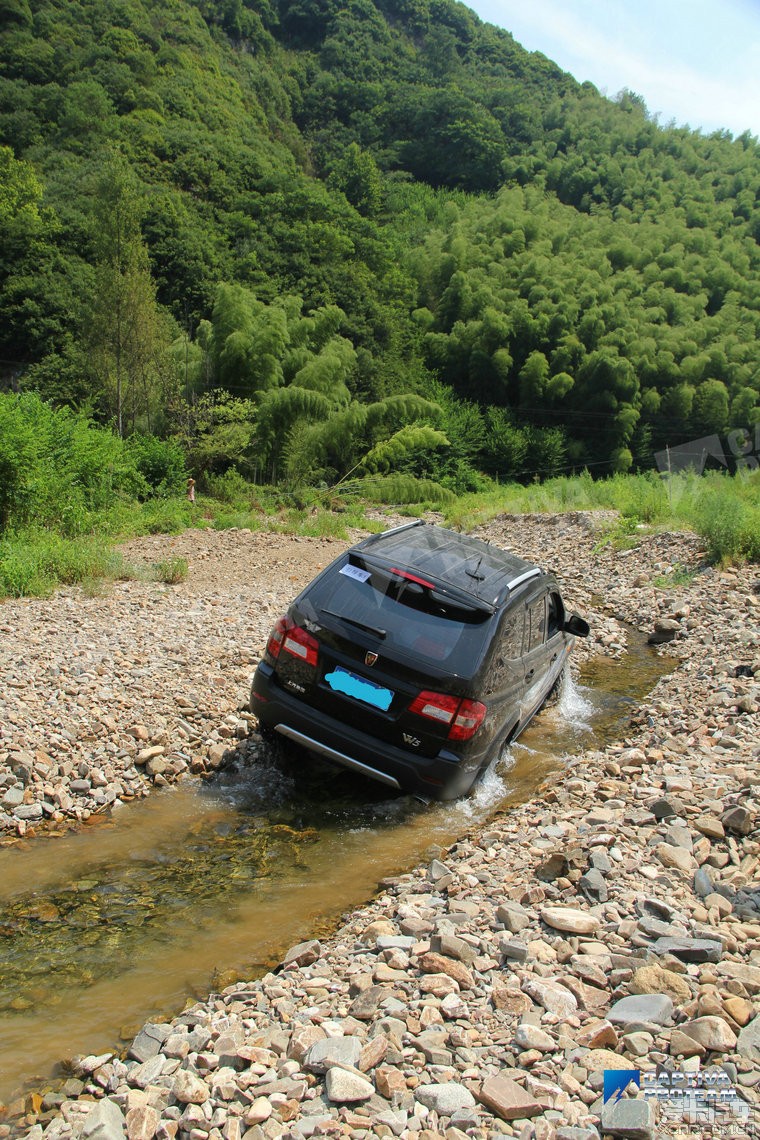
200, 885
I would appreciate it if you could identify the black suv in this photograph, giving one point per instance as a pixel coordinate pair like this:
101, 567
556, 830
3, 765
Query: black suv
415, 657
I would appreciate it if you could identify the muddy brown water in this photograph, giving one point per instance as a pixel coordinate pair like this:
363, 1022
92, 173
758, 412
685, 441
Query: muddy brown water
203, 884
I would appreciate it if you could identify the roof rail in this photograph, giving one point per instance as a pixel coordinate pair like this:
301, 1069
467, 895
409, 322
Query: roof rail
393, 530
526, 575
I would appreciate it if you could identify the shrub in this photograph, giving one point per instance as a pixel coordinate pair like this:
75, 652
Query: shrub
160, 462
230, 487
730, 526
171, 570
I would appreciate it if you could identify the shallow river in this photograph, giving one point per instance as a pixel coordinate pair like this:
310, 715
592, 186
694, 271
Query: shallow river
200, 884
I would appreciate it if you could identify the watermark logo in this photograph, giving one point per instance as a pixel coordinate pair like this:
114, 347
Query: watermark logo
739, 452
685, 1100
616, 1081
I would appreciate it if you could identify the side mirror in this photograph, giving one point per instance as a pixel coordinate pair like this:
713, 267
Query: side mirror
577, 626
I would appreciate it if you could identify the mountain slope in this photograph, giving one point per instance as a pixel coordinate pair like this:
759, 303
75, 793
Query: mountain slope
354, 156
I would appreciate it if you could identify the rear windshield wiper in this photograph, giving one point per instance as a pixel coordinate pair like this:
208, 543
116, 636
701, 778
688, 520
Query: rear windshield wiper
361, 625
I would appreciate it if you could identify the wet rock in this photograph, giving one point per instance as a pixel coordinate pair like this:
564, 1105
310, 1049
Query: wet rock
665, 629
304, 954
148, 1041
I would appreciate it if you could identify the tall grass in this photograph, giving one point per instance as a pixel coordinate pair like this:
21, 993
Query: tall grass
34, 563
723, 509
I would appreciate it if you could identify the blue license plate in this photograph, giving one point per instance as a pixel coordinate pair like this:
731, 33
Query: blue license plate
343, 681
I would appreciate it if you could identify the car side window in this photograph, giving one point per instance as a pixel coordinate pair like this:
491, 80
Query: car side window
537, 623
512, 635
556, 615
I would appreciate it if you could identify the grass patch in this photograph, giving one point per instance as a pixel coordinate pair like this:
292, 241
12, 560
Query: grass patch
34, 563
172, 571
621, 534
679, 576
729, 523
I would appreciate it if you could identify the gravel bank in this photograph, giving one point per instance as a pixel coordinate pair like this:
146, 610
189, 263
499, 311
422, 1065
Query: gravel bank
611, 923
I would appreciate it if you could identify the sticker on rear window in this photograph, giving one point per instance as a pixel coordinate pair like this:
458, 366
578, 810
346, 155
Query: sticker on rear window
355, 572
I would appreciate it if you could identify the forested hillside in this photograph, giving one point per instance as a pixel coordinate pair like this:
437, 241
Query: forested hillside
310, 239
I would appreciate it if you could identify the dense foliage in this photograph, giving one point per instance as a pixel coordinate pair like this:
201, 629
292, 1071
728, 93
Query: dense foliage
315, 241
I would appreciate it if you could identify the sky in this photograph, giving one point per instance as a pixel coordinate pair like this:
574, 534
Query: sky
693, 61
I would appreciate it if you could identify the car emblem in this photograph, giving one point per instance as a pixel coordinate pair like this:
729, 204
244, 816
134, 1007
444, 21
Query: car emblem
370, 658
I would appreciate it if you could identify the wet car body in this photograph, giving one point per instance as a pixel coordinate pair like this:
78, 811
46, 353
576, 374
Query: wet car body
415, 657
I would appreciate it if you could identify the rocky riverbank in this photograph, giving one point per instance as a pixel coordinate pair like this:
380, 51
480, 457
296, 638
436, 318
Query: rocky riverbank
612, 923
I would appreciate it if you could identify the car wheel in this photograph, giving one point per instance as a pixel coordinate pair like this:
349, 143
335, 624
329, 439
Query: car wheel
267, 734
555, 692
494, 754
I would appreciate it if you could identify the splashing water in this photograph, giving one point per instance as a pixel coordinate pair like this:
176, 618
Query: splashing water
574, 704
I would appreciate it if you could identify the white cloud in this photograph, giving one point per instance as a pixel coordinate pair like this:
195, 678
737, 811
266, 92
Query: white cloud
697, 62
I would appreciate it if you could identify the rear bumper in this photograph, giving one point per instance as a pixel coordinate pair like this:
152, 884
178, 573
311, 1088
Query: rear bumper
442, 777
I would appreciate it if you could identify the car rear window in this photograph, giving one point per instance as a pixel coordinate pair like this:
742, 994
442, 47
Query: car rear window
420, 622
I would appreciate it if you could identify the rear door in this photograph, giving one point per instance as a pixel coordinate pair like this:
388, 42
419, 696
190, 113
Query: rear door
544, 651
381, 639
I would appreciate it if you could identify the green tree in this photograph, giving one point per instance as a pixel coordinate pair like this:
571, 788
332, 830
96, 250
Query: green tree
125, 334
711, 407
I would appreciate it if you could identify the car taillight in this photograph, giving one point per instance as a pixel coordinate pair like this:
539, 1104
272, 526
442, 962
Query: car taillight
276, 637
464, 717
294, 640
301, 644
